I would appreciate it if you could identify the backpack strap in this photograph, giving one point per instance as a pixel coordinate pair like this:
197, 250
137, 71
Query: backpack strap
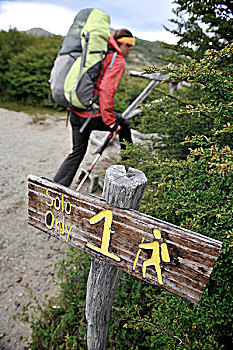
82, 64
113, 60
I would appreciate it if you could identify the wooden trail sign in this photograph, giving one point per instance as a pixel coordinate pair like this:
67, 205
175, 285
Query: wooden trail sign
178, 260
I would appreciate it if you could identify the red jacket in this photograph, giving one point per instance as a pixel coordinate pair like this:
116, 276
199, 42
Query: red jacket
106, 86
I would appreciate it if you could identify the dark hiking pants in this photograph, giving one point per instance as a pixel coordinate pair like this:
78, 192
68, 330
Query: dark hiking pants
69, 167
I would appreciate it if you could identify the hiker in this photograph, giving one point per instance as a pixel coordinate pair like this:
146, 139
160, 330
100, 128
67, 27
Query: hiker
104, 118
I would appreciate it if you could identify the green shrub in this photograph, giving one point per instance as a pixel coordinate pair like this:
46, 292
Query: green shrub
61, 323
193, 110
11, 44
196, 193
29, 72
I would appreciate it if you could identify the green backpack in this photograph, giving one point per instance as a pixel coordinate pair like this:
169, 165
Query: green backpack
80, 59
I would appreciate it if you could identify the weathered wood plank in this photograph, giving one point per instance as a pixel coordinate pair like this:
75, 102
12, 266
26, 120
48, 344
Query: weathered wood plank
192, 256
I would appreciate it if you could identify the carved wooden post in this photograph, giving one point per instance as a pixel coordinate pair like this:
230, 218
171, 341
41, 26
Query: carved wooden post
122, 190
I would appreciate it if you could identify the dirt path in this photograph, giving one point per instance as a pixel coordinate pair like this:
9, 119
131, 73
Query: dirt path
28, 256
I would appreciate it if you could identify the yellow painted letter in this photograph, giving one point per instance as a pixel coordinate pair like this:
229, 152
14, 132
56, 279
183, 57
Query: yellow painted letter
49, 204
49, 219
57, 222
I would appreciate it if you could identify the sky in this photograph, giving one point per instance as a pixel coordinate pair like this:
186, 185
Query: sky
144, 18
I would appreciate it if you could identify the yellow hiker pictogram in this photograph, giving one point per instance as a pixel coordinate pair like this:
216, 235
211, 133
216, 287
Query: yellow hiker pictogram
155, 257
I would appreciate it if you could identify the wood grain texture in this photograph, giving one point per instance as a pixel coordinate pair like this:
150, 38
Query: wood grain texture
192, 255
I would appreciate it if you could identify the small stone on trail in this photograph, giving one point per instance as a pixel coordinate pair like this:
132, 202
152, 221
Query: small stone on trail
55, 248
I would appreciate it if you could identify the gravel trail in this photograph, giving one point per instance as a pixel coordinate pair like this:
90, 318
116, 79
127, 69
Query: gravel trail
28, 256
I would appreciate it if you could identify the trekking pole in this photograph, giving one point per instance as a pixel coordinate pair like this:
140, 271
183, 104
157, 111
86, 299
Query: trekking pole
125, 114
105, 144
135, 103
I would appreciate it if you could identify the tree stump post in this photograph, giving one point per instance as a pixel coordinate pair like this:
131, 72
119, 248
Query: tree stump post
122, 190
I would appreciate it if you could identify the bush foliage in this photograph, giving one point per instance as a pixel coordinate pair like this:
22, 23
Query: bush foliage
27, 77
11, 44
193, 110
197, 193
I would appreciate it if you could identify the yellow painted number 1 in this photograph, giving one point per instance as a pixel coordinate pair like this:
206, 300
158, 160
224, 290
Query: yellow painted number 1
107, 214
